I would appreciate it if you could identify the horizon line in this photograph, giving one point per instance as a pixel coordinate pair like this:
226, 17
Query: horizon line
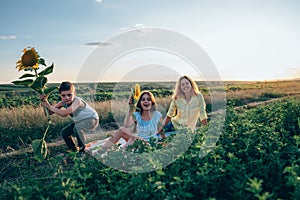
157, 81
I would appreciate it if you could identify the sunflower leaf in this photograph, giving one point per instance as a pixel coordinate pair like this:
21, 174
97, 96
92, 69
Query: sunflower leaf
26, 76
46, 71
26, 82
48, 90
39, 84
42, 61
39, 147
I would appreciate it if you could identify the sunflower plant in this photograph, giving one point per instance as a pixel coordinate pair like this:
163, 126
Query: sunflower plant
30, 62
135, 93
33, 78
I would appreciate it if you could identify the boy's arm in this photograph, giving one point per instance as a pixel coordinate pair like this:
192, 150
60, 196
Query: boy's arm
58, 106
43, 98
56, 109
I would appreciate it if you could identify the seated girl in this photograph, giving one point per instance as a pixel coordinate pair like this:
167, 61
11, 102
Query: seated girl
147, 121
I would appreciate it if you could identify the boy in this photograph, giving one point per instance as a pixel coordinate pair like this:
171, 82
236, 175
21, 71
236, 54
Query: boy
85, 118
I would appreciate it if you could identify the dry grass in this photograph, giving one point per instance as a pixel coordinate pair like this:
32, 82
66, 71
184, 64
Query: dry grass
257, 89
28, 116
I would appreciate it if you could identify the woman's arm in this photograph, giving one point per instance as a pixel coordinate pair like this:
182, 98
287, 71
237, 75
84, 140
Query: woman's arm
160, 126
202, 107
204, 121
166, 120
172, 109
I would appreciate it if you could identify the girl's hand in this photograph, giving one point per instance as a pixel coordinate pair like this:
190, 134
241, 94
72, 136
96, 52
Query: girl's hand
131, 103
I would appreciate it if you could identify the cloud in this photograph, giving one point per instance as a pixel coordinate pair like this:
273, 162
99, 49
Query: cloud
8, 37
96, 44
99, 1
136, 27
293, 69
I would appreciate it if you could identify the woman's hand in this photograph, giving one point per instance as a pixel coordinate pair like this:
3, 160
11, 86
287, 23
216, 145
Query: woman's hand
204, 122
161, 133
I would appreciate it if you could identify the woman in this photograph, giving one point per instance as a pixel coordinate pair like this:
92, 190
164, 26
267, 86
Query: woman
147, 119
186, 107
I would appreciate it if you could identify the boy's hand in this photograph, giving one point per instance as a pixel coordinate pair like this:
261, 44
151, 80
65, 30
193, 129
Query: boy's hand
43, 97
46, 103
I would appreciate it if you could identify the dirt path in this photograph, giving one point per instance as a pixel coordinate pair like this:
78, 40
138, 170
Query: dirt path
101, 135
89, 138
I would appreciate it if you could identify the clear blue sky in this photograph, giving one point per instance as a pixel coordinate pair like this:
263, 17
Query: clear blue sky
246, 40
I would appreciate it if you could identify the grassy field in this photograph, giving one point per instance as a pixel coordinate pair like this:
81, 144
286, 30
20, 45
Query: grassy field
21, 107
256, 157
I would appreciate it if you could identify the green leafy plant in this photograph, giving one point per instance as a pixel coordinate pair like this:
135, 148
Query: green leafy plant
255, 186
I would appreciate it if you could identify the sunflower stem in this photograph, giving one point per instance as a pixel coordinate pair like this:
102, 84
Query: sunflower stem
47, 114
46, 132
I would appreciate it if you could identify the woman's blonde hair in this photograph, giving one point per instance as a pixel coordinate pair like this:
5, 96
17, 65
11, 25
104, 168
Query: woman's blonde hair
178, 92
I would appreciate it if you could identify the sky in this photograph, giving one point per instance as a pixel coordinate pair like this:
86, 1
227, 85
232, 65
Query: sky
253, 40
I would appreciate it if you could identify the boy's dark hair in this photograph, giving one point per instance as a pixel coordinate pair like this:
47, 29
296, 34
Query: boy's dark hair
65, 86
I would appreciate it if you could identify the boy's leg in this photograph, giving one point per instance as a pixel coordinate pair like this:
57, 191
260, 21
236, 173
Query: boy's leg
81, 128
67, 133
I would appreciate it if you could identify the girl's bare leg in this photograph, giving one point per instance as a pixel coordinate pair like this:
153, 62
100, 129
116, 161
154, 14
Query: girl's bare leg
130, 141
120, 133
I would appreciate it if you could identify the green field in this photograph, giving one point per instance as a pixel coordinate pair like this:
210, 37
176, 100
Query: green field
256, 157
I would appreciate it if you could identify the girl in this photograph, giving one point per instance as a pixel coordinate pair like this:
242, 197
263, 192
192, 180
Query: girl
147, 119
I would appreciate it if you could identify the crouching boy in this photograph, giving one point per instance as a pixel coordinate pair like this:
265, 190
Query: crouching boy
85, 118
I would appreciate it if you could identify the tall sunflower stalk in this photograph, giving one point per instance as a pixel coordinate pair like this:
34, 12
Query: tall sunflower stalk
30, 62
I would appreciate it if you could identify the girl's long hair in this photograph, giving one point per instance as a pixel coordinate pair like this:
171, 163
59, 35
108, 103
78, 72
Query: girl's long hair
139, 106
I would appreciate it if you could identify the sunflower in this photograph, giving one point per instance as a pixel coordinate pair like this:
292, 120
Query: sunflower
29, 60
137, 92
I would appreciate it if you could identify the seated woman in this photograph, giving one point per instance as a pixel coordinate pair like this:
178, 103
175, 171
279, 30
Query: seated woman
146, 117
186, 107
